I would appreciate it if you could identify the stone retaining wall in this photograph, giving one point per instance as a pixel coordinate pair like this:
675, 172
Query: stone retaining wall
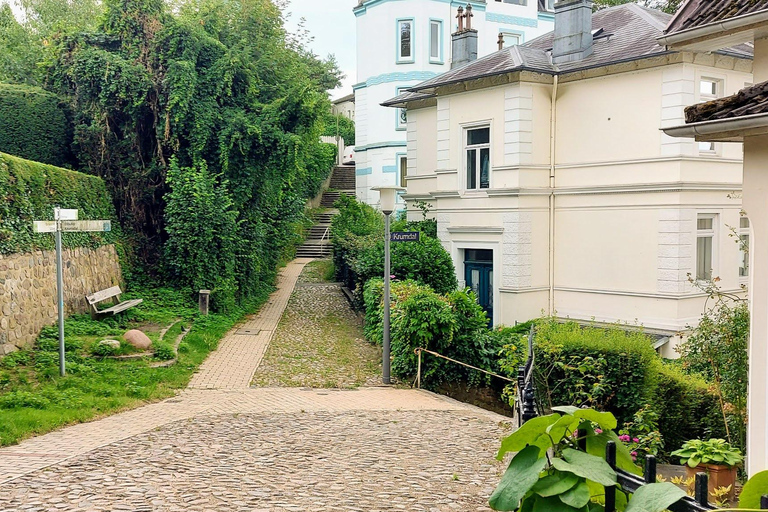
28, 289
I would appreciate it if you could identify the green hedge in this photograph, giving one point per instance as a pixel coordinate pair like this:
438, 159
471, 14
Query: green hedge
33, 125
617, 370
30, 190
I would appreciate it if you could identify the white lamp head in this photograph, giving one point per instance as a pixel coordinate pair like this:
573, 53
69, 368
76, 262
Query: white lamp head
388, 197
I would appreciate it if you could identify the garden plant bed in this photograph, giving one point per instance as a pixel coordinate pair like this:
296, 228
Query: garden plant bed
34, 399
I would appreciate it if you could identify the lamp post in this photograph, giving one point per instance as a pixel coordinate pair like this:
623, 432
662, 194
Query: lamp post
388, 198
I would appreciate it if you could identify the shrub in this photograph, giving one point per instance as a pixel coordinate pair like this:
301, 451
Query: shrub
202, 233
105, 350
30, 190
425, 262
616, 370
33, 125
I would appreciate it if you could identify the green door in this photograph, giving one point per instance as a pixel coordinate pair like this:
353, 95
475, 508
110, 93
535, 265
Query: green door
478, 273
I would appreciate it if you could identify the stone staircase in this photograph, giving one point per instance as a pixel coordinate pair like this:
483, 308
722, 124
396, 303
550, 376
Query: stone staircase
318, 242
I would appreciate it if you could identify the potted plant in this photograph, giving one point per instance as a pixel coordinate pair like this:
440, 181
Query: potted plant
715, 457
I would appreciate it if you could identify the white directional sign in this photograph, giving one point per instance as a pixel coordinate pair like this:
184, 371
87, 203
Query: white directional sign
66, 221
62, 214
44, 226
80, 226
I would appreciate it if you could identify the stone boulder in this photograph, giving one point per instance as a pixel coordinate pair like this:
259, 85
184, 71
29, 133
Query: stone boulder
110, 343
137, 339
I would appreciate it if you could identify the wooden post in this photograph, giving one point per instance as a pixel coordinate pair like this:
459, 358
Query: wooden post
610, 491
418, 372
204, 301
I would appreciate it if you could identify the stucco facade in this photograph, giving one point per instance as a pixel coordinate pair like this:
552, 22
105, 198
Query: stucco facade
591, 212
383, 71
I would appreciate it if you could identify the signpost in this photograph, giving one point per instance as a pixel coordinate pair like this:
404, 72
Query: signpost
405, 236
66, 221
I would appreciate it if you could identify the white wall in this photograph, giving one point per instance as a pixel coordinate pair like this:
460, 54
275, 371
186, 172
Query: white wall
380, 76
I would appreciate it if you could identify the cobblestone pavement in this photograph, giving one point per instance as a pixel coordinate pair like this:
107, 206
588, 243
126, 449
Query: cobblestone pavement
319, 343
232, 365
221, 446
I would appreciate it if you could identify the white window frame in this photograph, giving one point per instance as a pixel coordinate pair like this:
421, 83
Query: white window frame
399, 43
465, 129
713, 235
709, 148
439, 59
744, 239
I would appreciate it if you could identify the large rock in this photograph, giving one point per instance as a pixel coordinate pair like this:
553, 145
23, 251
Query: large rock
137, 339
111, 343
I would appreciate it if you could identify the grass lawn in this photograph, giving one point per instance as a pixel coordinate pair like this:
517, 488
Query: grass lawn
34, 399
319, 342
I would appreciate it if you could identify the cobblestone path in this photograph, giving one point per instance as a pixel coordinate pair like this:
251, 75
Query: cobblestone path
221, 446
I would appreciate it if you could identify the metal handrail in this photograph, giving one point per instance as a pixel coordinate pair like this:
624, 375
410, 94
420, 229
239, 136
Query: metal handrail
419, 350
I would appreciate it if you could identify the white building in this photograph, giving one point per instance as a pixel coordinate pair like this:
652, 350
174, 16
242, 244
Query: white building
403, 42
555, 190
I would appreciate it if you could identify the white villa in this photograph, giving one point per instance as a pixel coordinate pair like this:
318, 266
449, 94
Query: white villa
555, 190
403, 42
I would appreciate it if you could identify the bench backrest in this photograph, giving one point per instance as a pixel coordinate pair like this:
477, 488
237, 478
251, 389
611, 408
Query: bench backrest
103, 295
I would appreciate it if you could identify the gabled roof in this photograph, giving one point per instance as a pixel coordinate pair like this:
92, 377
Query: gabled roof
344, 99
698, 13
750, 101
623, 33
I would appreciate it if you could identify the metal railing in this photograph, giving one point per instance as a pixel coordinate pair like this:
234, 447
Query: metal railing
418, 351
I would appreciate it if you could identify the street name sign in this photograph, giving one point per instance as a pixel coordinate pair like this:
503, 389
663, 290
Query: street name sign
82, 226
405, 236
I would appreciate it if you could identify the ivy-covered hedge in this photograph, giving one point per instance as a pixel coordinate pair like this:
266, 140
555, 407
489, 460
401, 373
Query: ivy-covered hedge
33, 125
30, 190
617, 370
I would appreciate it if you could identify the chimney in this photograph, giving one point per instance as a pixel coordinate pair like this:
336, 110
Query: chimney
573, 31
464, 41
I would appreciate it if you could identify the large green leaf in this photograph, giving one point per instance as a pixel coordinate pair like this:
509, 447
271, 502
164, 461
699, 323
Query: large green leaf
654, 497
553, 504
756, 487
526, 435
577, 497
554, 484
586, 466
606, 420
522, 473
596, 446
565, 424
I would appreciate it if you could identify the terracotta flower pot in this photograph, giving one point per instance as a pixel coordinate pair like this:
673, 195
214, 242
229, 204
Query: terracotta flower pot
719, 476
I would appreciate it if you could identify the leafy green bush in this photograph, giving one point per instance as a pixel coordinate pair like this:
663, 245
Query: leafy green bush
104, 350
453, 325
341, 125
687, 407
202, 233
616, 370
33, 125
717, 348
30, 190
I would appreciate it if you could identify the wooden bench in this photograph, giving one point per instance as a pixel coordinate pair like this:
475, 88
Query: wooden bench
110, 293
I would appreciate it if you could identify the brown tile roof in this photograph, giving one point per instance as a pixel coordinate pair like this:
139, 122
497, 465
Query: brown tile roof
749, 101
697, 13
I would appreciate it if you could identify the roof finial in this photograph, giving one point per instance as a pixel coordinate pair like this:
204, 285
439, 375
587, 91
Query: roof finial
469, 16
460, 16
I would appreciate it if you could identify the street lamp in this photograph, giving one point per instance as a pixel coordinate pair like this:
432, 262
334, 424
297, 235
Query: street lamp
388, 198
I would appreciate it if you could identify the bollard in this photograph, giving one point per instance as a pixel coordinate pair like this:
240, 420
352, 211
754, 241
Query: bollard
205, 296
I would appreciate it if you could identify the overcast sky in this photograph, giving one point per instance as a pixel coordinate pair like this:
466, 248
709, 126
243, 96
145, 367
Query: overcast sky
332, 25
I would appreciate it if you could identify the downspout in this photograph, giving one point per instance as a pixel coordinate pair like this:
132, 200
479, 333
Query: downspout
552, 141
